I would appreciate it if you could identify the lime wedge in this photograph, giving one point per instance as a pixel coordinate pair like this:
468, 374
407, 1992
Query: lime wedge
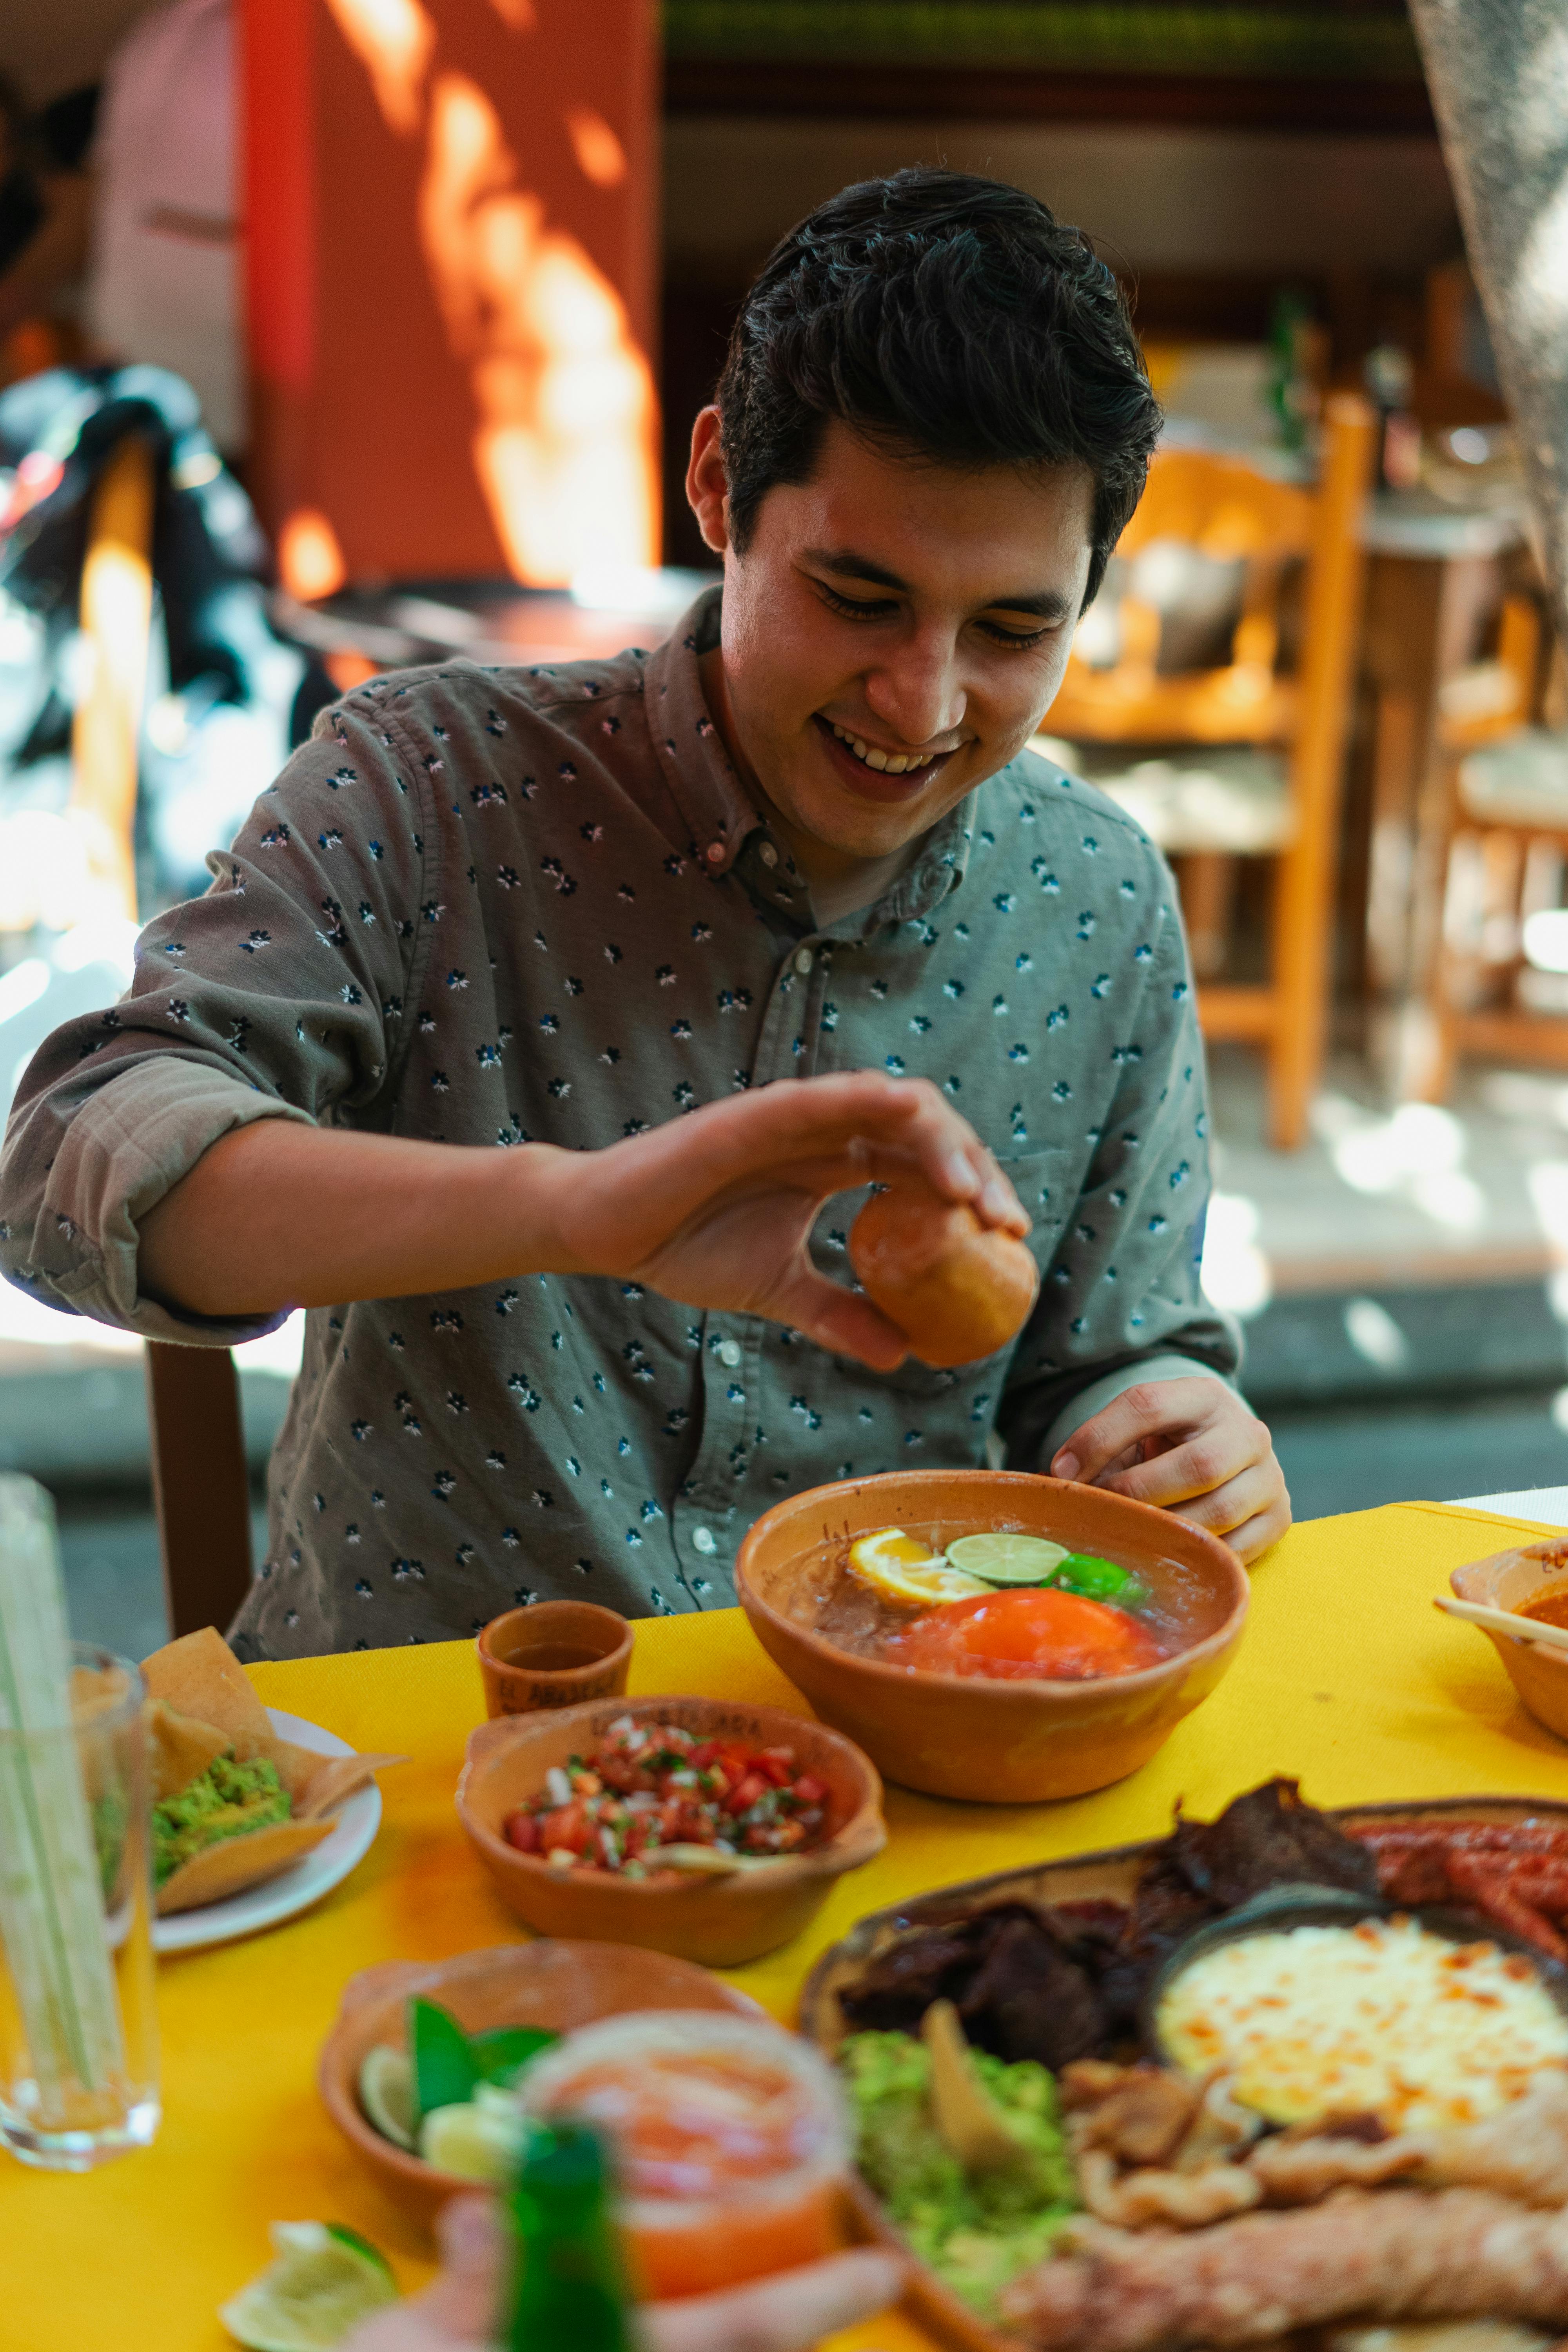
1007, 1559
325, 2280
386, 2093
479, 2139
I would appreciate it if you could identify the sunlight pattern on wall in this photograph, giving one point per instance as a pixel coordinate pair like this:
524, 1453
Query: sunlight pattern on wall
565, 417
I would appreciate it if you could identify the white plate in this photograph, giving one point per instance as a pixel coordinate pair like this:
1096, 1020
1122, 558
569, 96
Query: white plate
324, 1868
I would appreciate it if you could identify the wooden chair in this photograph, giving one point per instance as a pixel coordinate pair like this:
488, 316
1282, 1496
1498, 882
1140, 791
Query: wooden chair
200, 1486
1501, 855
1252, 752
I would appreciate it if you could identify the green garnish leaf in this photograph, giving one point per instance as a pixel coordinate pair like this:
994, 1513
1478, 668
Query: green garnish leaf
1094, 1579
446, 2071
501, 2054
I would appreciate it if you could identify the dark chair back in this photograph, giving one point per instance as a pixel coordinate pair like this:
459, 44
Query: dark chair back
201, 1490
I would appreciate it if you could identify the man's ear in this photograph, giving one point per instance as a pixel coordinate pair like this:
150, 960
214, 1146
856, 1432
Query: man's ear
707, 484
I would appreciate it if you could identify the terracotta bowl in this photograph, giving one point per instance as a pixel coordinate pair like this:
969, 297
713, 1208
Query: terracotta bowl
559, 1985
1507, 1580
966, 1736
720, 1921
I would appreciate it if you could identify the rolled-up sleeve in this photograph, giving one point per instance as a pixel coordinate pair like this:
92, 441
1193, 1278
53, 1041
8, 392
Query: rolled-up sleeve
280, 993
1122, 1300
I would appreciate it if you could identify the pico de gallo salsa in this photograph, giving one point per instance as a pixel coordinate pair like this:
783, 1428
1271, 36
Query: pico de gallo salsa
648, 1786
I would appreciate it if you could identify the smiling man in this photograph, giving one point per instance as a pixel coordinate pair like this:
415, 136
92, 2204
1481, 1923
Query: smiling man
709, 939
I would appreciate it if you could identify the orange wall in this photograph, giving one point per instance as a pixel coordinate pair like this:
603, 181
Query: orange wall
451, 255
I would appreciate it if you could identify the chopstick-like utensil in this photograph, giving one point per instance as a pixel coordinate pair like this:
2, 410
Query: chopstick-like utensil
970, 2121
1505, 1620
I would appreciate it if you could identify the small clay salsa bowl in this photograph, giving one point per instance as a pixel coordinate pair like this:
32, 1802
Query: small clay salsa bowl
559, 1986
552, 1654
991, 1740
720, 1922
1535, 1576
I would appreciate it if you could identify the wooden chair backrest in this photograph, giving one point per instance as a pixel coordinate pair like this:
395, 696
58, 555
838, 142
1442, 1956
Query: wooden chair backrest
1227, 511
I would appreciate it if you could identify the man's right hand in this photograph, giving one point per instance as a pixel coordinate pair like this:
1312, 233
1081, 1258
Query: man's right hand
713, 1209
716, 1209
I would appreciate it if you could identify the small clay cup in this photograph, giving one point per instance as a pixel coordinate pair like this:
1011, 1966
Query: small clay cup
514, 1686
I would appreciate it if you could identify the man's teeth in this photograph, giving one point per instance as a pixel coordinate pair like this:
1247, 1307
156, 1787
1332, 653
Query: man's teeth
891, 763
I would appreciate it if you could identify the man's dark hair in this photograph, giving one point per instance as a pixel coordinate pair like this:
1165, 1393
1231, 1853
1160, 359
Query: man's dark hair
945, 315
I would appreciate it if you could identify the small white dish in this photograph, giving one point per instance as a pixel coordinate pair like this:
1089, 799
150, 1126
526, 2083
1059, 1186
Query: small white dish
324, 1868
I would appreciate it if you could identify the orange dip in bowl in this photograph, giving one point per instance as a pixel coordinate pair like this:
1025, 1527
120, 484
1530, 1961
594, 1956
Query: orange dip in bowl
730, 2137
1551, 1609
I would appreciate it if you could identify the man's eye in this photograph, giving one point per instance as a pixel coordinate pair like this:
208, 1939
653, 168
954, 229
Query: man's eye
854, 608
1015, 640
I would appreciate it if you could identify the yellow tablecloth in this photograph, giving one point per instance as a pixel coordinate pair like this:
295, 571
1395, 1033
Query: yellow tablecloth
1347, 1678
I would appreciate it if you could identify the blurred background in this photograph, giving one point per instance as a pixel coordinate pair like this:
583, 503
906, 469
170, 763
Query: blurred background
337, 334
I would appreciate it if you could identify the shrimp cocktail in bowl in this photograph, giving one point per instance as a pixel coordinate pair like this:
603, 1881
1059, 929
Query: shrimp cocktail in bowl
989, 1634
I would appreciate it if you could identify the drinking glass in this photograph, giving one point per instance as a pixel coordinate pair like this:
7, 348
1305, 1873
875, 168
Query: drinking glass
78, 2035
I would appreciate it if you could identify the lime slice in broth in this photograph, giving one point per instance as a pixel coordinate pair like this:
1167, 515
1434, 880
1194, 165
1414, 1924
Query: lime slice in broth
325, 2280
1001, 1559
386, 2093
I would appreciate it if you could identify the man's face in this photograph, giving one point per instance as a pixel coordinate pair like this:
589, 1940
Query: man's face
894, 632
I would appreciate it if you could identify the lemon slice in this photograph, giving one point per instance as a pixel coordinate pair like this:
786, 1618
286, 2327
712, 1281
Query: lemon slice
325, 2280
902, 1568
386, 2093
1007, 1559
480, 2140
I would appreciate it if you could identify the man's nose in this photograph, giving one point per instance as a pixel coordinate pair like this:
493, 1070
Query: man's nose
918, 691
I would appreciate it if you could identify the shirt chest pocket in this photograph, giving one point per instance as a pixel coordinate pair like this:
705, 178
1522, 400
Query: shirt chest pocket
1046, 1183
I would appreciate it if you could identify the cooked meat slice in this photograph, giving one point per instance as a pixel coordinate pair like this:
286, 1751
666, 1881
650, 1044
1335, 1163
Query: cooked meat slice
1305, 2171
1393, 2253
1143, 2117
1154, 2197
1269, 1837
1029, 2000
1522, 2151
900, 1984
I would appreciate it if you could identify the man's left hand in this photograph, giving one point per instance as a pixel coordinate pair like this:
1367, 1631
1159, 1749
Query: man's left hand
1193, 1448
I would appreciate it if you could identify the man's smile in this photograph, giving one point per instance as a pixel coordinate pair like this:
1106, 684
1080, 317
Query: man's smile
875, 773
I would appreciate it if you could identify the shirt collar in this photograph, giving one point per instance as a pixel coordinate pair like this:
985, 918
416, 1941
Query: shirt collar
726, 831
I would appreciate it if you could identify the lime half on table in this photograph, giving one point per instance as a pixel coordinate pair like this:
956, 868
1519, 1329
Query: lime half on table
1007, 1559
326, 2279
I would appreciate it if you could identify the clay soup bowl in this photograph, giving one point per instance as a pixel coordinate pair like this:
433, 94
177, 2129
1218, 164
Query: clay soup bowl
982, 1737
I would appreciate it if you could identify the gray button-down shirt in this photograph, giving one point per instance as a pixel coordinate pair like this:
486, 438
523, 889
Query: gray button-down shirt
491, 906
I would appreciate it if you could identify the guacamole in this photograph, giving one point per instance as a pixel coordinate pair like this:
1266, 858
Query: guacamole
224, 1801
976, 2233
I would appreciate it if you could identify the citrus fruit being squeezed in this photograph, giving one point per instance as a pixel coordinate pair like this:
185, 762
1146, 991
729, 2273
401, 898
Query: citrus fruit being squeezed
958, 1290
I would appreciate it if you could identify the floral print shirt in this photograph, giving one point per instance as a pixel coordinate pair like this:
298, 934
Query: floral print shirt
491, 906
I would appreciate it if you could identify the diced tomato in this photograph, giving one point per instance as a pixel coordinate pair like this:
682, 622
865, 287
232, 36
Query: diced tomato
742, 1799
810, 1791
567, 1829
522, 1830
702, 1754
777, 1763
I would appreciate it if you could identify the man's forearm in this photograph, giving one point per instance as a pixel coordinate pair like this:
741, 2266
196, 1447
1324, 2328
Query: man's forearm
279, 1215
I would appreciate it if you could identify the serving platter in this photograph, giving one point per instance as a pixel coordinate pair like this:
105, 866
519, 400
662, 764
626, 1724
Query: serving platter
1110, 1874
276, 1899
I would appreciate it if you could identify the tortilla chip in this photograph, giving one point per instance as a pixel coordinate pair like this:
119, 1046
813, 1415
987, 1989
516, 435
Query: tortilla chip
333, 1781
237, 1862
180, 1749
201, 1677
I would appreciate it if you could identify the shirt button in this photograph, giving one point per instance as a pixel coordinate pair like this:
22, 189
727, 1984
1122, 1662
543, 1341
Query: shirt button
730, 1353
704, 1540
714, 853
804, 962
767, 853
